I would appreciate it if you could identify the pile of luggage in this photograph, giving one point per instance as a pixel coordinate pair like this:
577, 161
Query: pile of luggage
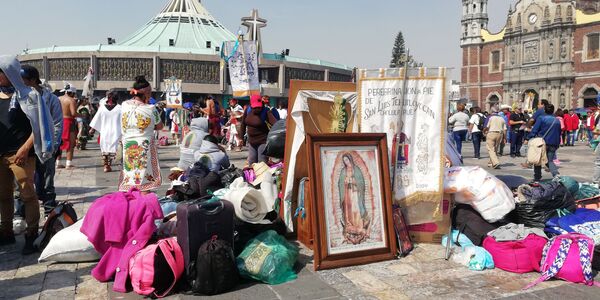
521, 226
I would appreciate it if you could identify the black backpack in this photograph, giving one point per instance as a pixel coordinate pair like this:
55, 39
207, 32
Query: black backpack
215, 270
481, 122
61, 217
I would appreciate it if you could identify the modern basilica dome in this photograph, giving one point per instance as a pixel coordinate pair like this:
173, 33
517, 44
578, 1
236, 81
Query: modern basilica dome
183, 40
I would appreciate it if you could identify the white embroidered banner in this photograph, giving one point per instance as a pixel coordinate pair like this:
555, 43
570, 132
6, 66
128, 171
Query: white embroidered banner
242, 58
413, 114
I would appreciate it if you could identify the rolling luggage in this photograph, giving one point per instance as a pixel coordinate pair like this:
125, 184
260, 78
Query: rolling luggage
198, 222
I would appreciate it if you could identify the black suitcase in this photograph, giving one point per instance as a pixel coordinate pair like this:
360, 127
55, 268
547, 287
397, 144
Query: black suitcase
198, 222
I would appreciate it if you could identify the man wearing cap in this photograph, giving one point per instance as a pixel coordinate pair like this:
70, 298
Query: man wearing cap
44, 172
69, 134
496, 134
25, 131
505, 114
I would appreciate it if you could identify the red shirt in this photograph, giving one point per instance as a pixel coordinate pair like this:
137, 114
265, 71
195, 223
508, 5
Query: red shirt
571, 122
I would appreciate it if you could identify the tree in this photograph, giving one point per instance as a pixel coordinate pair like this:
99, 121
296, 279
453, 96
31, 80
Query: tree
398, 52
399, 55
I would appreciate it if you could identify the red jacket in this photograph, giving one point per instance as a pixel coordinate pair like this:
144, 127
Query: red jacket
571, 122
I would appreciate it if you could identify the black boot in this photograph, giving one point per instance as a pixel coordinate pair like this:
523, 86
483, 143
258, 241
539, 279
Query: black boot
29, 248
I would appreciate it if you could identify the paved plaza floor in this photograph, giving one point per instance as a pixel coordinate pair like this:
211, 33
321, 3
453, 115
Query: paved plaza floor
424, 274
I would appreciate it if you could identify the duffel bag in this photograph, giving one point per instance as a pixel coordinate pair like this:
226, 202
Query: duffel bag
516, 256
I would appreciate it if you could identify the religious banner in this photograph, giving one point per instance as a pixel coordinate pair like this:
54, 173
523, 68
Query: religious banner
242, 58
413, 113
173, 91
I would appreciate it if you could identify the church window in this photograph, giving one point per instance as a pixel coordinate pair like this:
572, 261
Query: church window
593, 46
495, 63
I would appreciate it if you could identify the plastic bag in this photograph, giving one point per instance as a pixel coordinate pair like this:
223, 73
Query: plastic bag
540, 203
469, 255
587, 191
484, 192
276, 140
570, 183
269, 258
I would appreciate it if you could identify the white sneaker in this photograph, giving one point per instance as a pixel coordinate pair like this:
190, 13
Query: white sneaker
19, 225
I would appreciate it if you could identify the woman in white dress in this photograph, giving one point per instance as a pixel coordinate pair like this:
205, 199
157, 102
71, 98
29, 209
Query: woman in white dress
140, 156
107, 122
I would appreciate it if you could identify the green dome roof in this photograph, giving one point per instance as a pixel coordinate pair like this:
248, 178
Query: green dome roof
187, 23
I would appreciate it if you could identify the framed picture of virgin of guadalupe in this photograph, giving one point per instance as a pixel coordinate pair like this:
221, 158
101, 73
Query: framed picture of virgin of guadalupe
352, 221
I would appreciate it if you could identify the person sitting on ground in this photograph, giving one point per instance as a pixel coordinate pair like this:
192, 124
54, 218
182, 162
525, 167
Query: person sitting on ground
212, 155
192, 142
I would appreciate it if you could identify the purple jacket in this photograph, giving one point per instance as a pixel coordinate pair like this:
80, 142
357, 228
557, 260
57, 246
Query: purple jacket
119, 225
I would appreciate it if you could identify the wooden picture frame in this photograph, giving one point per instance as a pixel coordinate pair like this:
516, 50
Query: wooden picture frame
352, 199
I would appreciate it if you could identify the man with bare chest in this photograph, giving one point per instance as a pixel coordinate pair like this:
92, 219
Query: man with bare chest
69, 134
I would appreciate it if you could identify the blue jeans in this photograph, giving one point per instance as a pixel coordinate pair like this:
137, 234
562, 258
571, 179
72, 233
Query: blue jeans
550, 154
590, 134
477, 136
571, 137
516, 142
459, 137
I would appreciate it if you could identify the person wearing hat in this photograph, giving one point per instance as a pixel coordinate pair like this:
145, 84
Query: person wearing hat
25, 132
505, 114
213, 111
69, 134
44, 172
257, 122
495, 134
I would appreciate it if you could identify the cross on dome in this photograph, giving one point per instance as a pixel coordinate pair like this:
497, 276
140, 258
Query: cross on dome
254, 24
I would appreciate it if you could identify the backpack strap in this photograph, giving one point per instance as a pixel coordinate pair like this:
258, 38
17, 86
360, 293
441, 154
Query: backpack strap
585, 259
557, 262
168, 248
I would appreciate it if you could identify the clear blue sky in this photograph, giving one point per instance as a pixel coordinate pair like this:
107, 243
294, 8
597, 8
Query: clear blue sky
351, 32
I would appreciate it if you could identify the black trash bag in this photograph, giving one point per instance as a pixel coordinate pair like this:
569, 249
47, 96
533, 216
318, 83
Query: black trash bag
540, 202
230, 175
276, 140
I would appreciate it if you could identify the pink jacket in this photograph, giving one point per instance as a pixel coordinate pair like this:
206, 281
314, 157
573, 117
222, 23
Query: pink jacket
119, 225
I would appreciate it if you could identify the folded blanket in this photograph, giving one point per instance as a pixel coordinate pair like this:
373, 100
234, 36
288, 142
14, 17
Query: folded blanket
249, 203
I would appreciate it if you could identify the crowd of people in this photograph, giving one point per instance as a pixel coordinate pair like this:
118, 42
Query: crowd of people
39, 128
515, 127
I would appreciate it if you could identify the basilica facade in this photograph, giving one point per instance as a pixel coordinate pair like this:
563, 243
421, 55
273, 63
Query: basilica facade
548, 49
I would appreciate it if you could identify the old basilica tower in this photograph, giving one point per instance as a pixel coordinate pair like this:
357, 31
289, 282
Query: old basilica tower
548, 49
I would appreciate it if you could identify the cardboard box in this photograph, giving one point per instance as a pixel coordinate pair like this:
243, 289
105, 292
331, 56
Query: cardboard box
432, 233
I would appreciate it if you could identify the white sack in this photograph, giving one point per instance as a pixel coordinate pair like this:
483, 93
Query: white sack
69, 245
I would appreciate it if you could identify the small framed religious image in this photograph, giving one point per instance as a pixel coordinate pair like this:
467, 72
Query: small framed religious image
352, 199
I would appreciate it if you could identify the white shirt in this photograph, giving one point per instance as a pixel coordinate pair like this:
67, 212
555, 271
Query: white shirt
282, 113
460, 121
475, 119
108, 123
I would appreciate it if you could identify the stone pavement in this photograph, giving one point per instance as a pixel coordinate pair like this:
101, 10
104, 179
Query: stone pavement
423, 274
